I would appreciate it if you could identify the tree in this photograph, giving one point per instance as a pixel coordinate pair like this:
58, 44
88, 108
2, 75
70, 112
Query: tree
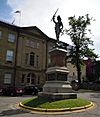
78, 33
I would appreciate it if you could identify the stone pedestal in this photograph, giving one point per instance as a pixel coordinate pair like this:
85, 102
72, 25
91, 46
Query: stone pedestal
58, 96
57, 87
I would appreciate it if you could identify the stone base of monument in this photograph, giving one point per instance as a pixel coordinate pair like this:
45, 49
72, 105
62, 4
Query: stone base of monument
57, 90
57, 87
58, 96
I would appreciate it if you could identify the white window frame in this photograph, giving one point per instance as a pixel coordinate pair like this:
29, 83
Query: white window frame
7, 78
11, 37
27, 58
32, 58
9, 56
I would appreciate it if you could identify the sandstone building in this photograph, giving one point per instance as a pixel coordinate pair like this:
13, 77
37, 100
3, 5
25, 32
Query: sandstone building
24, 55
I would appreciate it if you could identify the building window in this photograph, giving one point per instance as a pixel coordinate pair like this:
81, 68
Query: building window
9, 56
31, 78
32, 56
32, 44
11, 37
0, 34
7, 78
30, 59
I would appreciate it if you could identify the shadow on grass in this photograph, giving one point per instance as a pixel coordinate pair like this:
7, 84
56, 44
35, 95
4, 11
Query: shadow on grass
36, 102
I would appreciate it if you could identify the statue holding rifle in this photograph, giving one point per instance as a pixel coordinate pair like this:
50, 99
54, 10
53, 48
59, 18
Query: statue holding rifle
58, 25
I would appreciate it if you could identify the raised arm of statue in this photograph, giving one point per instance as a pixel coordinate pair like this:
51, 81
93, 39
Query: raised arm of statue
54, 19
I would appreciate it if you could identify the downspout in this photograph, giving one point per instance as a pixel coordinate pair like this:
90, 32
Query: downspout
16, 53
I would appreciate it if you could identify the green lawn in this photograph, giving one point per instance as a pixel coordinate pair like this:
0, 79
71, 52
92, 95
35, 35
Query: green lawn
48, 104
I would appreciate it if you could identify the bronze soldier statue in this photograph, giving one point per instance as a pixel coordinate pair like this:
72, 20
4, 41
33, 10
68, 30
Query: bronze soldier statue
58, 26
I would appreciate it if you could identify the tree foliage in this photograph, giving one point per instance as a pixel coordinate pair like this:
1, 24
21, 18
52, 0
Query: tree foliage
78, 33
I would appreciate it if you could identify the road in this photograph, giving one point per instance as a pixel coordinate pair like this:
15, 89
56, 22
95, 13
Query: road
8, 107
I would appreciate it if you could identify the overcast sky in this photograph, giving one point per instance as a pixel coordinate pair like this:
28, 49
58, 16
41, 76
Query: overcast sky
39, 13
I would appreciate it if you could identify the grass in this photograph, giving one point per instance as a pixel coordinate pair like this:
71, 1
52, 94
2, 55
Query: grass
46, 103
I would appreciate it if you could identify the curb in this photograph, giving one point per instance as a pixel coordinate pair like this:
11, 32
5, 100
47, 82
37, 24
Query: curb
56, 111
